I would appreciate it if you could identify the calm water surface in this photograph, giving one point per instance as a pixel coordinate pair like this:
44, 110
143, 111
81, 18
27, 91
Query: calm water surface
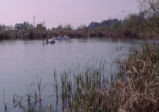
21, 62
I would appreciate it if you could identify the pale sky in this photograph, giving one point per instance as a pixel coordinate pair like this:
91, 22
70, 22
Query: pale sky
62, 12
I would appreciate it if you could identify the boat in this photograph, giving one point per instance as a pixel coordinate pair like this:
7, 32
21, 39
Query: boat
50, 41
59, 38
63, 38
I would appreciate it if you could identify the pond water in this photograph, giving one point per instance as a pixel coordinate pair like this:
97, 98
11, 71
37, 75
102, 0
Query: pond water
22, 62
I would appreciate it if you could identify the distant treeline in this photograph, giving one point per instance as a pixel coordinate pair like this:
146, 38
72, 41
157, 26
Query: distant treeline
145, 24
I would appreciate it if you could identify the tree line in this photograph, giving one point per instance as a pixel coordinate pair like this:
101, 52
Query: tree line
144, 24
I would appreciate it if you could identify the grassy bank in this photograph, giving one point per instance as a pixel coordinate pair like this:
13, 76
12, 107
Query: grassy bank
135, 88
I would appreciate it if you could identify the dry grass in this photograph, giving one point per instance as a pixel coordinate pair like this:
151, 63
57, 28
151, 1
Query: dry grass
137, 92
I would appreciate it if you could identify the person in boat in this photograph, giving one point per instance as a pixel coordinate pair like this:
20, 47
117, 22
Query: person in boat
44, 38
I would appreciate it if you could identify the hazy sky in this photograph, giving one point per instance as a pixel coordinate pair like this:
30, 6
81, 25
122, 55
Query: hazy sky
56, 12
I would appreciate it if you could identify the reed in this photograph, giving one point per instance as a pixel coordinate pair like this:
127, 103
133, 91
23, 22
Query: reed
134, 88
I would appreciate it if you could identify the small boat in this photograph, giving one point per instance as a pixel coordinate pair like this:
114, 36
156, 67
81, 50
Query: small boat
50, 41
59, 38
63, 38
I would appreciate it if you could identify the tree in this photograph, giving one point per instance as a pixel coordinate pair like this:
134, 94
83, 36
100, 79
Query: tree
82, 27
2, 27
68, 27
60, 27
40, 26
25, 25
151, 10
150, 7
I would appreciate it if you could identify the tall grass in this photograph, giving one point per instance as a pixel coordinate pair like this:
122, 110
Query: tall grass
134, 89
